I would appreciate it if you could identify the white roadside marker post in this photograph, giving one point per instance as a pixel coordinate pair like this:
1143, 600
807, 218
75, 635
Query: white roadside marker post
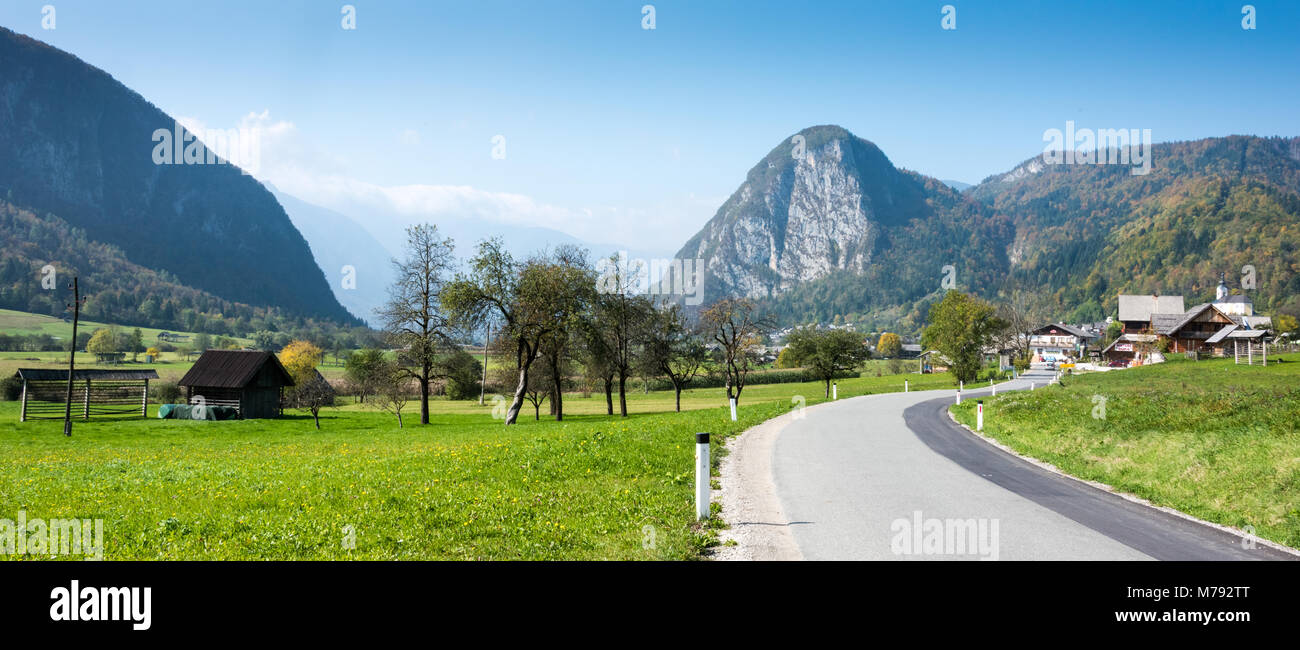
835, 391
733, 409
1031, 385
959, 395
702, 476
979, 415
905, 387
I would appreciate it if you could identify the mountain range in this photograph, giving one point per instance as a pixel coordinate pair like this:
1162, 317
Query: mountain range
825, 228
77, 150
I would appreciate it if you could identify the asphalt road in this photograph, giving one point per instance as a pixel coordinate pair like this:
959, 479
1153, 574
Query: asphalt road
891, 477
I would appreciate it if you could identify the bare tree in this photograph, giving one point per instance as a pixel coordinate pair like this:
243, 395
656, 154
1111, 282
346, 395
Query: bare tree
313, 393
391, 385
413, 317
618, 316
1017, 311
734, 325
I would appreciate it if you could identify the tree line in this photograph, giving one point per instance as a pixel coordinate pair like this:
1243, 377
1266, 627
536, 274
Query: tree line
555, 317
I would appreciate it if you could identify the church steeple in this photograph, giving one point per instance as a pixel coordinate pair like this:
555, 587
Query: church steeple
1221, 292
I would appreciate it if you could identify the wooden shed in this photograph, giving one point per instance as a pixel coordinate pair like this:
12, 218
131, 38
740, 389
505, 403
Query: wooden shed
249, 380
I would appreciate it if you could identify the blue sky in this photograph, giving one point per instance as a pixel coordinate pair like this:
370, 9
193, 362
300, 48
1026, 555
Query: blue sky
619, 134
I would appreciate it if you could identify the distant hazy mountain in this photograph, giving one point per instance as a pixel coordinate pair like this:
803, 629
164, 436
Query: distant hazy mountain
340, 245
77, 144
958, 185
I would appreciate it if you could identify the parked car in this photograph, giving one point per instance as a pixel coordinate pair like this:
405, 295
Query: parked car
1118, 364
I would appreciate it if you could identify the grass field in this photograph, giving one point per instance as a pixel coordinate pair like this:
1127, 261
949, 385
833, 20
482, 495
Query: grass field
1215, 440
21, 322
172, 367
464, 487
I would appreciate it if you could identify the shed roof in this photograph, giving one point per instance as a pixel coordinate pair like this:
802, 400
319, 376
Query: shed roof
52, 374
1247, 334
1140, 308
231, 368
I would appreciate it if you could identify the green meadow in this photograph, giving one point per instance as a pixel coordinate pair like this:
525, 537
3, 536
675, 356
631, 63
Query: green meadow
463, 487
1210, 438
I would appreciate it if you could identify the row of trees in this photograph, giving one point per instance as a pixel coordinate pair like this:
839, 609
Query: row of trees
554, 317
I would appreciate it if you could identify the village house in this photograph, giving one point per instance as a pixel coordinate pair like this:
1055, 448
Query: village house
1058, 340
1135, 312
1211, 327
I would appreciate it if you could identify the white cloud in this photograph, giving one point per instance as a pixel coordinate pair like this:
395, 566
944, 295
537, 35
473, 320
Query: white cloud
294, 164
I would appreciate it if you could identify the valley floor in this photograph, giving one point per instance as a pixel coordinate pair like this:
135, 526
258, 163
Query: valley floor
463, 487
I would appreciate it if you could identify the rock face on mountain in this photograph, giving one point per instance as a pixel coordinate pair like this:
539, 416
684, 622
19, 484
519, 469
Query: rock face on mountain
826, 203
76, 143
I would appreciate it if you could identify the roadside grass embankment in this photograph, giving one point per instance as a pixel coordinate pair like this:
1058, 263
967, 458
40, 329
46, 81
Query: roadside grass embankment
1212, 439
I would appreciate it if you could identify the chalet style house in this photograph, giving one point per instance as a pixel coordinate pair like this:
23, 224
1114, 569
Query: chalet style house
1211, 327
1058, 340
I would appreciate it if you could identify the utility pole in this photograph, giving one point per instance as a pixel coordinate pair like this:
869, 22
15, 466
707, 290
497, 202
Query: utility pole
72, 356
483, 385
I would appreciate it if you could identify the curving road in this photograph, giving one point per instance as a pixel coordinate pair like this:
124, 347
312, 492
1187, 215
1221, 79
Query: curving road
886, 477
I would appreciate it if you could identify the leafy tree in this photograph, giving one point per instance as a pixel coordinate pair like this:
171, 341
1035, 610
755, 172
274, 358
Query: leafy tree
153, 352
136, 343
413, 317
1286, 324
364, 370
597, 360
102, 342
571, 292
202, 342
264, 340
889, 346
961, 325
300, 358
671, 350
522, 296
785, 359
1113, 331
310, 391
828, 352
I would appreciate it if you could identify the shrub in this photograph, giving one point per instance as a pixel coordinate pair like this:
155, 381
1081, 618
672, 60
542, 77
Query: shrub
12, 387
463, 375
166, 392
